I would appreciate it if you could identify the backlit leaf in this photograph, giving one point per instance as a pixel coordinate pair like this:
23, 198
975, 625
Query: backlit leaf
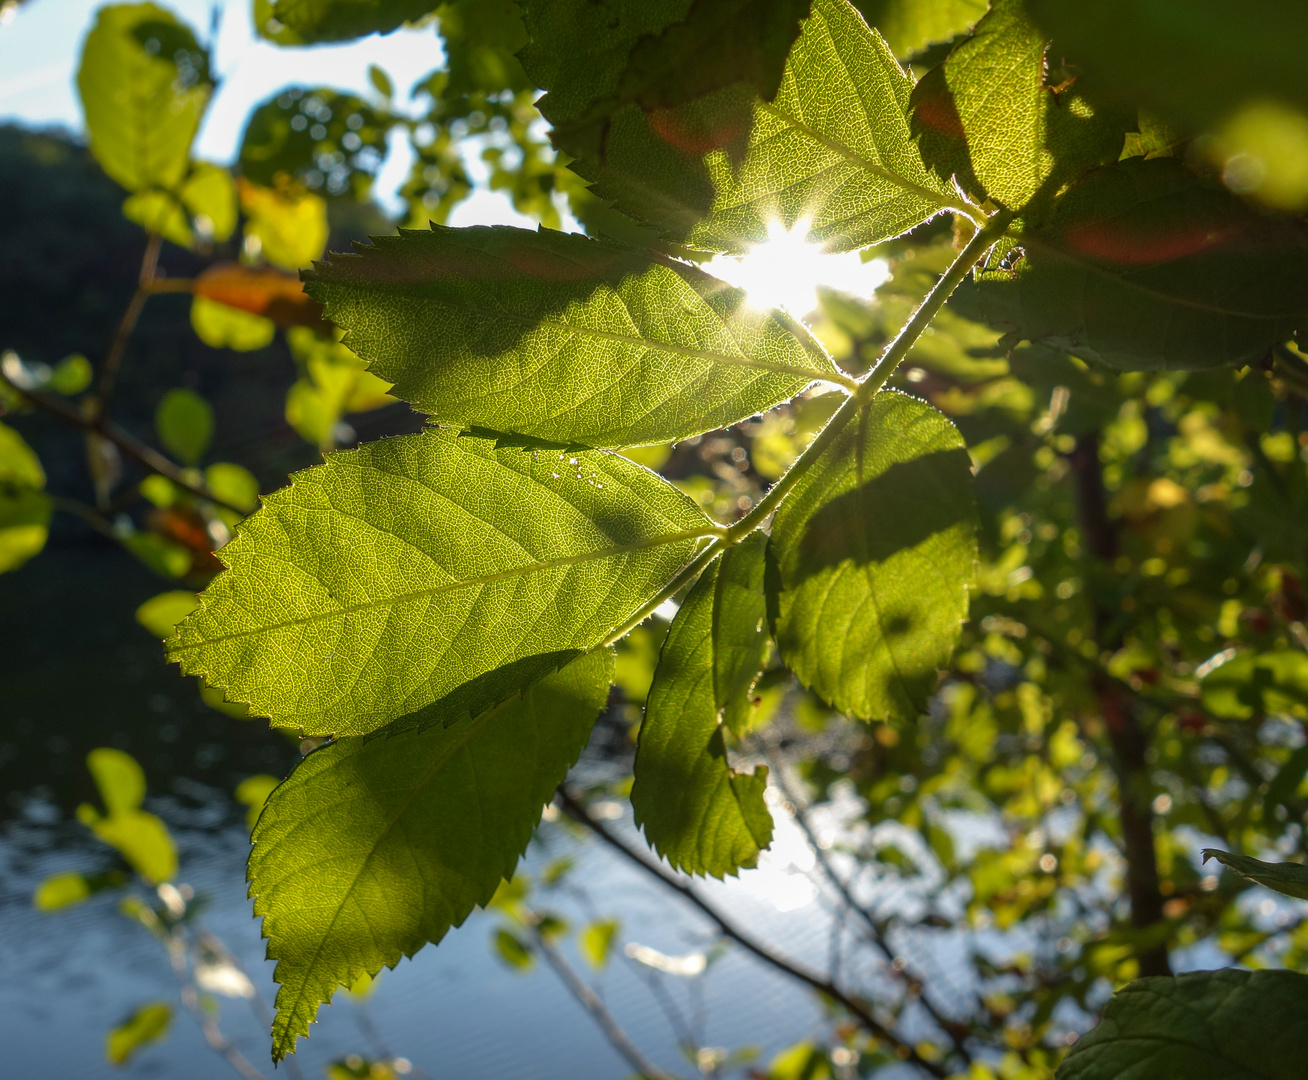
1289, 879
144, 83
1204, 1025
987, 117
1142, 266
562, 338
310, 22
146, 1025
266, 292
24, 508
433, 572
290, 225
375, 847
699, 813
874, 554
161, 614
909, 26
832, 149
595, 942
118, 777
221, 326
60, 891
1252, 685
253, 792
184, 422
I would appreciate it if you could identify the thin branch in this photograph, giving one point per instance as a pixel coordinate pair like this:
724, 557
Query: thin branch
114, 357
146, 456
877, 929
590, 1001
763, 952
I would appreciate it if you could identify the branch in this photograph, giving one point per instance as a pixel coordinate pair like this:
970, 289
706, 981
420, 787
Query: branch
146, 456
590, 1001
114, 357
788, 967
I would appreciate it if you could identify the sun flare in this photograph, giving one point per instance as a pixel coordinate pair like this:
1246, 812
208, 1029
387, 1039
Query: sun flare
787, 269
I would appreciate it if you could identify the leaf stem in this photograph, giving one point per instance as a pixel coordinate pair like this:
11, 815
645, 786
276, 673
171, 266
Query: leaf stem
114, 358
875, 379
687, 575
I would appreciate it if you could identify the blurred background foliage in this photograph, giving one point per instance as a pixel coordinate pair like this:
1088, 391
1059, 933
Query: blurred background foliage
1132, 685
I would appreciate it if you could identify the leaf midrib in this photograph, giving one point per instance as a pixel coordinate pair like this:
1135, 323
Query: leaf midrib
450, 586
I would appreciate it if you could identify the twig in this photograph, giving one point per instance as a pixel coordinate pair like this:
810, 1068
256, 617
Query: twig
588, 999
877, 929
113, 359
212, 1034
767, 955
145, 456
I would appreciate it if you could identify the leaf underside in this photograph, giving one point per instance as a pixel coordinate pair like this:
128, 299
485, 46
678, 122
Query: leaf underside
1289, 879
431, 576
699, 813
872, 556
377, 846
1204, 1025
562, 338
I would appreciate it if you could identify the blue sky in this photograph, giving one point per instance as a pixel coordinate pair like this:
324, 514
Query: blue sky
40, 44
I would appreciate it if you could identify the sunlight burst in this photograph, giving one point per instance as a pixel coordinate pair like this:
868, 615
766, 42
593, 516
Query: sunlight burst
787, 269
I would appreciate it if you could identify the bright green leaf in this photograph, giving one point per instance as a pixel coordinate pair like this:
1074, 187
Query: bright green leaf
390, 577
1254, 684
376, 846
71, 375
161, 555
222, 327
290, 226
148, 1024
24, 524
61, 891
909, 26
512, 950
1290, 879
184, 423
833, 150
1204, 1025
253, 792
595, 942
209, 194
1143, 265
233, 484
19, 464
118, 777
875, 552
144, 84
562, 338
161, 614
987, 117
699, 813
139, 837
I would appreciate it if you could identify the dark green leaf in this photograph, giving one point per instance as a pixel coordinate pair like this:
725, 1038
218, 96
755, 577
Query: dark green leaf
1143, 265
310, 22
699, 813
874, 553
562, 338
1194, 59
374, 847
1290, 879
1204, 1025
144, 84
435, 572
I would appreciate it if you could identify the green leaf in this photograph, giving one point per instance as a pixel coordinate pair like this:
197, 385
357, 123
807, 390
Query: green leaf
24, 508
60, 891
1144, 266
595, 942
1204, 1025
381, 82
874, 553
144, 83
289, 225
909, 26
71, 375
203, 207
184, 423
832, 150
513, 950
233, 484
1195, 60
1289, 879
699, 813
1252, 685
987, 116
140, 838
222, 327
311, 22
390, 577
118, 777
374, 847
148, 1024
562, 338
161, 614
253, 792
